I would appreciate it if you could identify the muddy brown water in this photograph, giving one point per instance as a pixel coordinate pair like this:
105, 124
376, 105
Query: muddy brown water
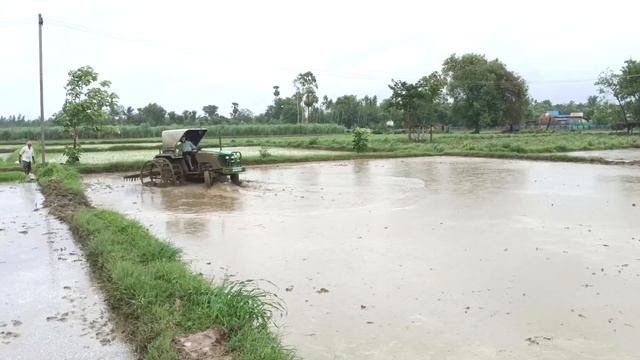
49, 307
443, 258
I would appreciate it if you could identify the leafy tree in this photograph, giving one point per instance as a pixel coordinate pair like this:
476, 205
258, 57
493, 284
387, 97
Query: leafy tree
310, 99
86, 105
608, 84
235, 110
593, 102
467, 78
288, 110
129, 114
244, 116
189, 116
211, 111
326, 102
605, 113
629, 85
390, 112
306, 87
370, 112
152, 114
515, 97
174, 118
346, 110
484, 93
419, 102
276, 91
116, 113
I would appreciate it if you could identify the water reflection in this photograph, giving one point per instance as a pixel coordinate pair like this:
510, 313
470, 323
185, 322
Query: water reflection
193, 226
194, 199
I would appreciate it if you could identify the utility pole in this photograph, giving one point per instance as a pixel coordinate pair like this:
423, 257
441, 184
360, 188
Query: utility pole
40, 22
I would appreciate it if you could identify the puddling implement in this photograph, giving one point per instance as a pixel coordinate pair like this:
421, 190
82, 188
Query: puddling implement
182, 159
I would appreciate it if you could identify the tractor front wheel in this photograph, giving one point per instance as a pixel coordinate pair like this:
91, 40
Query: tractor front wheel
235, 178
208, 179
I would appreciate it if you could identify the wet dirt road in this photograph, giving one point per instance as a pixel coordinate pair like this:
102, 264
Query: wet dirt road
49, 308
441, 258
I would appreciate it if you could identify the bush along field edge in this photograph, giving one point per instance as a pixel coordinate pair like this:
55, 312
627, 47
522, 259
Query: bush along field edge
164, 307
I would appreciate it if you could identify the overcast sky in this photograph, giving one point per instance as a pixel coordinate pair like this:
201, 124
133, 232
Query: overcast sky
186, 54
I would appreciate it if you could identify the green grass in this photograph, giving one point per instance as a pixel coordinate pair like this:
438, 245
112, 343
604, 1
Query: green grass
152, 291
537, 143
11, 176
66, 177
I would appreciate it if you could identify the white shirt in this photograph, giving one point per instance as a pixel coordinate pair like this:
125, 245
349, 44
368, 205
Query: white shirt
26, 154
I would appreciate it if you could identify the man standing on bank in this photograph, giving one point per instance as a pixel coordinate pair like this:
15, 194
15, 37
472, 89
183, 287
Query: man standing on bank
27, 157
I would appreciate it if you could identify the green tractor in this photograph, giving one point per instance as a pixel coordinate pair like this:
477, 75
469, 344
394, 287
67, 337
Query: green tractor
173, 167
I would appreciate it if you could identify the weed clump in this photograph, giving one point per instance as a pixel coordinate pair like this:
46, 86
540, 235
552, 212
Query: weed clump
361, 139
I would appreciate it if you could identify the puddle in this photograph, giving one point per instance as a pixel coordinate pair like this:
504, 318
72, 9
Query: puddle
613, 155
49, 305
419, 258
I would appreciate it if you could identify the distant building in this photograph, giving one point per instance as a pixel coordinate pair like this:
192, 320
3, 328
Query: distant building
554, 118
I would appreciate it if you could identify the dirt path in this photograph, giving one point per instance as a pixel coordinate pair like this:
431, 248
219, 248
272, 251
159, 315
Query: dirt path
49, 308
442, 258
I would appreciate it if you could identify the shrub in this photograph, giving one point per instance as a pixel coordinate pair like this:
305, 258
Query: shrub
264, 152
361, 139
72, 154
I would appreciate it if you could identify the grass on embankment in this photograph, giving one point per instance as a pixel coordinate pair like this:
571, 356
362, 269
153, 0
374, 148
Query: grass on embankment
524, 143
11, 176
152, 292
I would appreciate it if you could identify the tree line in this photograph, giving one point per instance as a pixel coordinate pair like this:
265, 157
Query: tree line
469, 91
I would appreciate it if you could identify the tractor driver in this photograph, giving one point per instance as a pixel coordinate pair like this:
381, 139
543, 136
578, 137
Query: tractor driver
188, 151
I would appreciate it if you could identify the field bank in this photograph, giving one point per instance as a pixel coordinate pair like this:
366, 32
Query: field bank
445, 257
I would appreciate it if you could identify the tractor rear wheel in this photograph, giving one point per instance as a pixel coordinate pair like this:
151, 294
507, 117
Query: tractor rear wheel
158, 172
150, 173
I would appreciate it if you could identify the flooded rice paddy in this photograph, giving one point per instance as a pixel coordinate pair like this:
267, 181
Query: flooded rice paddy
442, 258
